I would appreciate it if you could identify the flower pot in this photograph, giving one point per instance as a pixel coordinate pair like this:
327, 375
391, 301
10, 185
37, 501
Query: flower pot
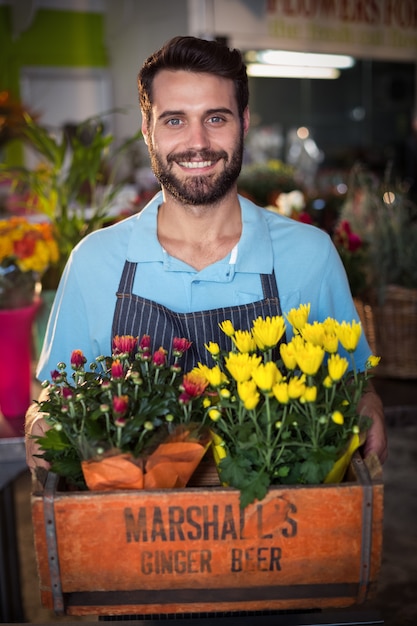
195, 550
15, 364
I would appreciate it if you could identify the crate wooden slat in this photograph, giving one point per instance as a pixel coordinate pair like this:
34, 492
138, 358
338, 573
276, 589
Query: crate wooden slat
193, 550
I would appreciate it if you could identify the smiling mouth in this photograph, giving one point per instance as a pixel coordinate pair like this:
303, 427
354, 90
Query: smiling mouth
191, 165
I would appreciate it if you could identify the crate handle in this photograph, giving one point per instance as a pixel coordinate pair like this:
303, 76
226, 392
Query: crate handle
51, 542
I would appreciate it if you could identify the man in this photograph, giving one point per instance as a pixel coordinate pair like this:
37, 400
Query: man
198, 254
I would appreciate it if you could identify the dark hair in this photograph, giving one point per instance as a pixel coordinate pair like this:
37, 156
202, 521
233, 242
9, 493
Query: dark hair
194, 55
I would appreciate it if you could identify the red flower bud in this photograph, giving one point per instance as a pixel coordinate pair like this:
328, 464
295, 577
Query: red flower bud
120, 405
67, 392
77, 359
159, 358
180, 345
124, 343
145, 343
117, 369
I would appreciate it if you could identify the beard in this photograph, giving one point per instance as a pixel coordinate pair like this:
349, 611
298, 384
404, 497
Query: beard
198, 190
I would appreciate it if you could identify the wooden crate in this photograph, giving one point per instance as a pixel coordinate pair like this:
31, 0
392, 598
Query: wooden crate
194, 550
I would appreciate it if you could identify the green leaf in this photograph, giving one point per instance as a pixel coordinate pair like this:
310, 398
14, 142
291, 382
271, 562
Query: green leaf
239, 473
54, 440
318, 464
70, 469
282, 471
256, 489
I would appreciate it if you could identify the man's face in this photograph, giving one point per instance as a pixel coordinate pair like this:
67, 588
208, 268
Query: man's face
195, 136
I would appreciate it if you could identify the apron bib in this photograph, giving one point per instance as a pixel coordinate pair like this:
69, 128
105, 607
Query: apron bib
138, 316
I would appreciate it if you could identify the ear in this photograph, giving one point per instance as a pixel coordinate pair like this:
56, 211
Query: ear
144, 129
246, 121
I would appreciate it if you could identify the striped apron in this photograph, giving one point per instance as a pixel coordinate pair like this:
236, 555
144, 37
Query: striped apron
138, 316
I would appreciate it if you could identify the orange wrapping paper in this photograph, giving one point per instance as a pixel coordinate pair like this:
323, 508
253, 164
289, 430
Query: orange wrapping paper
170, 466
113, 472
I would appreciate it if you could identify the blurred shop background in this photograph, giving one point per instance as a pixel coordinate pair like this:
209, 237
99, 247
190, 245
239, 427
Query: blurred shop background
333, 142
66, 60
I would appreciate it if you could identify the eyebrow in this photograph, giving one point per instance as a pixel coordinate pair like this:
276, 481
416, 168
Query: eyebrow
173, 113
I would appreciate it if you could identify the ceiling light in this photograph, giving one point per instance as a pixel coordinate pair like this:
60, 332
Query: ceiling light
264, 70
287, 57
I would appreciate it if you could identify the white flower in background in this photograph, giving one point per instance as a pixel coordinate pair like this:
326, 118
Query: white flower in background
288, 203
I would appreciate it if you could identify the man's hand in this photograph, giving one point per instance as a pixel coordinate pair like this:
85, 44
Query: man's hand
376, 440
35, 427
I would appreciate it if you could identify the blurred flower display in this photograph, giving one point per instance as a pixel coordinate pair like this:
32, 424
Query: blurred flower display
381, 215
73, 183
27, 250
354, 254
263, 182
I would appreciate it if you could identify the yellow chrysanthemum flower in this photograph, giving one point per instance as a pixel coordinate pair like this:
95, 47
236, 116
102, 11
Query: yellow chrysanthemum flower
372, 362
202, 369
241, 364
244, 341
215, 376
280, 391
310, 394
266, 375
213, 348
214, 414
314, 333
337, 366
268, 331
227, 328
298, 317
330, 325
330, 342
248, 393
287, 353
338, 418
296, 387
309, 358
349, 335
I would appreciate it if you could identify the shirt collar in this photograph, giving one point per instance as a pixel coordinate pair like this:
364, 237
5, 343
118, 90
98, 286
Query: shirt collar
254, 250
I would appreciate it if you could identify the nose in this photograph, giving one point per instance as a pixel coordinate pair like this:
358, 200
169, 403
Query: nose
198, 136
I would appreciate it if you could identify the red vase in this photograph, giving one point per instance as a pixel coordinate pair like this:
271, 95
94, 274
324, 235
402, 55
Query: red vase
16, 346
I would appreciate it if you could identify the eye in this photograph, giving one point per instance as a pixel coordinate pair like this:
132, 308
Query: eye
216, 119
174, 121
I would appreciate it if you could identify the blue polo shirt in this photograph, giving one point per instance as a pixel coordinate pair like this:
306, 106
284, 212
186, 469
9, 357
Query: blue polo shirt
306, 264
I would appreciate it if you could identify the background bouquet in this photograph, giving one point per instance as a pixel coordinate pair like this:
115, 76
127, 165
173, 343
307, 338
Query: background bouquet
26, 251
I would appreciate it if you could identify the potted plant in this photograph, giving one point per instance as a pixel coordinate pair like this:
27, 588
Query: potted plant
26, 251
126, 421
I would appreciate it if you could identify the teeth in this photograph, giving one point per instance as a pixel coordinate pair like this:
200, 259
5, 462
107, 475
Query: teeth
195, 164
